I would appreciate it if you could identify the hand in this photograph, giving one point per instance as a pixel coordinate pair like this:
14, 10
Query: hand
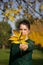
23, 47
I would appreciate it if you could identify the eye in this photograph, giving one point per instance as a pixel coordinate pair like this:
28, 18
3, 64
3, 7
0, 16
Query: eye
25, 29
20, 29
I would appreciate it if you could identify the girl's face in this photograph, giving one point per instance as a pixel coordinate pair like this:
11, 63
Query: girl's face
24, 29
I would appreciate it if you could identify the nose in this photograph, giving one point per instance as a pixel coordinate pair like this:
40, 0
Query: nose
22, 32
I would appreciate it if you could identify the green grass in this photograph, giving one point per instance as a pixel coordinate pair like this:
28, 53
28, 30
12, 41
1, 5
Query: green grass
37, 57
4, 56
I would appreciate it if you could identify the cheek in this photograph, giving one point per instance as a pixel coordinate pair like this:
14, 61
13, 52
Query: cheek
24, 33
27, 32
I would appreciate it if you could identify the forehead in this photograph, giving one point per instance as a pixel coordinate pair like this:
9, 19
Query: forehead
23, 26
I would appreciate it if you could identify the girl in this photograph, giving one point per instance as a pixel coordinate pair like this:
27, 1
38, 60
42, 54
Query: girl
21, 54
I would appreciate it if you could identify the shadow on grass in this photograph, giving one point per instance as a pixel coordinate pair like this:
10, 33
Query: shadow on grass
37, 61
4, 62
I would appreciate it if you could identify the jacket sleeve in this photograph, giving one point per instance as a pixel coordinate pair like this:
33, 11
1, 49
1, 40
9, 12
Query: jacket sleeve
31, 45
10, 58
13, 51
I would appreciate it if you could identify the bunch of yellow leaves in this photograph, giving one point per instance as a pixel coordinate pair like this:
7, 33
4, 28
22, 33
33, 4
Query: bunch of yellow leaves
9, 13
18, 38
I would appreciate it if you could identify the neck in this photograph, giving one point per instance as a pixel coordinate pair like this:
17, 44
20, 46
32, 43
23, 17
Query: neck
26, 38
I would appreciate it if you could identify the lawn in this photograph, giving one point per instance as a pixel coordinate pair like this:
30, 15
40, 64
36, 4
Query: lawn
37, 57
4, 56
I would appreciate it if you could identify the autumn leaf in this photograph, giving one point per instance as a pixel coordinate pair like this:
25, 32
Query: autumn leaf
17, 34
17, 38
11, 18
36, 37
20, 7
6, 13
41, 7
16, 12
10, 11
11, 3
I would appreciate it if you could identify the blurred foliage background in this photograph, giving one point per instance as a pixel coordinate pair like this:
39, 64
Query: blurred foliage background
15, 11
5, 32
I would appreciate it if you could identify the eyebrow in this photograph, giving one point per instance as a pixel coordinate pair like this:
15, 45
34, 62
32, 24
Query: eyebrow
21, 29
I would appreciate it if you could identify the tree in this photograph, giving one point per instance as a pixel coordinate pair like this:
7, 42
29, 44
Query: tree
27, 7
5, 32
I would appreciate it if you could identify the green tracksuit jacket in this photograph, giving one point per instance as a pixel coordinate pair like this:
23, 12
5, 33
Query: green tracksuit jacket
19, 57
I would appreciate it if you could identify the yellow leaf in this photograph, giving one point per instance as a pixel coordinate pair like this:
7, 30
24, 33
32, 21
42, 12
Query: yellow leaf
17, 34
6, 14
41, 7
10, 11
11, 3
13, 38
11, 18
16, 12
23, 42
20, 6
33, 36
22, 37
16, 42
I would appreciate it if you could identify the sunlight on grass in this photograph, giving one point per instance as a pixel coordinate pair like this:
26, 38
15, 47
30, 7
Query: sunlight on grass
37, 54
